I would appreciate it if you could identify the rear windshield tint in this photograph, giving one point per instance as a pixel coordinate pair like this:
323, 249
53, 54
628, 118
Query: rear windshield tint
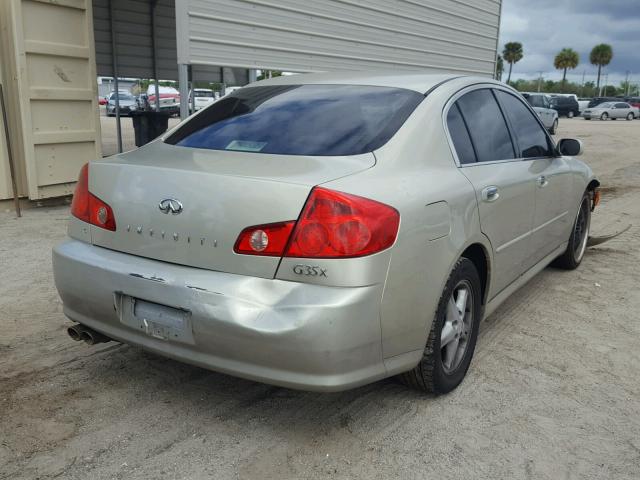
301, 120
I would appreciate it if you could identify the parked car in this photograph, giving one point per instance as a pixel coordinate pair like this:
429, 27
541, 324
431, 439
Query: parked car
633, 101
583, 103
566, 106
200, 98
169, 99
542, 107
598, 100
611, 110
127, 104
369, 241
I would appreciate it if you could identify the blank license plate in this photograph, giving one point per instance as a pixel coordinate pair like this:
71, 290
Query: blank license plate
158, 321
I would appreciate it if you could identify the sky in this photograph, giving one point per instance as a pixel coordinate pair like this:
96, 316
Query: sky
544, 27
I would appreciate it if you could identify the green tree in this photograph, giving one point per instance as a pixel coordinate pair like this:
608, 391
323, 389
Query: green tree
566, 58
265, 74
512, 53
601, 55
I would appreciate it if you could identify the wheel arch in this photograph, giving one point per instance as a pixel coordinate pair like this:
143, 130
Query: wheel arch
479, 255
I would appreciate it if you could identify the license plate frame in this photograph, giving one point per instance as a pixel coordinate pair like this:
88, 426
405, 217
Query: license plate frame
156, 320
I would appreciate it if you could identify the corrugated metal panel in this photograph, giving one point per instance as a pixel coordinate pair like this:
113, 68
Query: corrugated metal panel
54, 92
439, 35
132, 23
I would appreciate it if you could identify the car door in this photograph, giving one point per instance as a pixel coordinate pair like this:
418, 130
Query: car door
542, 107
504, 186
552, 220
622, 110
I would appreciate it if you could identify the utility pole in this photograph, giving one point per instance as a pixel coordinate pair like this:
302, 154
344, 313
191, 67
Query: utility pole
626, 85
582, 85
539, 81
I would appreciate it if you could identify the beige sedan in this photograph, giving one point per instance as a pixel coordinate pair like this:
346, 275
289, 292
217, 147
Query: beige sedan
611, 110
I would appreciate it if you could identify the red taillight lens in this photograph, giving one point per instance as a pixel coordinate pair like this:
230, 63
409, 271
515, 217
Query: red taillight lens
89, 208
268, 240
80, 202
339, 225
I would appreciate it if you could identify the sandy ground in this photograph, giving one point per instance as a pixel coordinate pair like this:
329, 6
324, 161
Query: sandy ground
553, 391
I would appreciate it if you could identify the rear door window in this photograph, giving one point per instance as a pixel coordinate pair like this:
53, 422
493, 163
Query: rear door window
460, 136
531, 138
301, 120
487, 127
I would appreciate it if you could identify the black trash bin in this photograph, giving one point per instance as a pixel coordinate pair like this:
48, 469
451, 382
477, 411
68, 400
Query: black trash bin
149, 125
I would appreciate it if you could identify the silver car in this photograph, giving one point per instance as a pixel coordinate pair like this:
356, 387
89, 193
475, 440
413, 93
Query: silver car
611, 110
325, 231
542, 106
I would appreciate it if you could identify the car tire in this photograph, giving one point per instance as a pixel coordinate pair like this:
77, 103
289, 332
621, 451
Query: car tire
573, 255
554, 127
435, 373
570, 114
604, 116
630, 116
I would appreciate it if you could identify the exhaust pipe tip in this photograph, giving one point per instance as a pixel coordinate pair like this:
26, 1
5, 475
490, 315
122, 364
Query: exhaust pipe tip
75, 332
89, 336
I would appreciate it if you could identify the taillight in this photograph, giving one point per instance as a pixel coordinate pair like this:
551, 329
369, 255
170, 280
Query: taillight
268, 240
89, 208
339, 225
332, 225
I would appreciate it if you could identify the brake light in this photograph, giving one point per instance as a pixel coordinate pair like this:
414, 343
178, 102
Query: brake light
89, 208
339, 225
267, 240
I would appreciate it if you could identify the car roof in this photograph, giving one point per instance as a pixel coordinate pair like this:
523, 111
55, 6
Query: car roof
418, 81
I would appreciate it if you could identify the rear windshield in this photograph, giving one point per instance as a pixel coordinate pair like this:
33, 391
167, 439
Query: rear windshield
301, 120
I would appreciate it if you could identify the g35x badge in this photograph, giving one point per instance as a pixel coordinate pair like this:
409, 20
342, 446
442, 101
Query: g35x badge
309, 270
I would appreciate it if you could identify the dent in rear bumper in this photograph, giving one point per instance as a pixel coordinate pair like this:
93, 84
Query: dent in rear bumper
286, 333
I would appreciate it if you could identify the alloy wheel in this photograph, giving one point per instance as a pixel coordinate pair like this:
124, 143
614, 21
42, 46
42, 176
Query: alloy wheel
581, 231
457, 327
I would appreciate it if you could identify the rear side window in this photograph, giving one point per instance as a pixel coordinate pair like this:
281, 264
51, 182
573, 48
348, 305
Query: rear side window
301, 120
460, 136
622, 105
487, 126
531, 138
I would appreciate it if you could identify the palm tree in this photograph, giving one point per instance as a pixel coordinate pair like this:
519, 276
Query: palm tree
512, 53
601, 55
566, 58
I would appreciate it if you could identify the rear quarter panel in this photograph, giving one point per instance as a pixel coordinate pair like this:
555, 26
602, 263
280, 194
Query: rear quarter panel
415, 173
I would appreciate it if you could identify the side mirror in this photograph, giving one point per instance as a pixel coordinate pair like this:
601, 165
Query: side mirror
570, 147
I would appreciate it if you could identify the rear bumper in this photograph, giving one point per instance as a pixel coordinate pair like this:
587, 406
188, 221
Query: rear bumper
286, 333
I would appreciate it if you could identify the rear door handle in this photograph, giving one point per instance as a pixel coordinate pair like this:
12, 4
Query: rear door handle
490, 194
542, 181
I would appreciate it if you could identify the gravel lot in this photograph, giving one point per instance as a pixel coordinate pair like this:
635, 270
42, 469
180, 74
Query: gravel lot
553, 390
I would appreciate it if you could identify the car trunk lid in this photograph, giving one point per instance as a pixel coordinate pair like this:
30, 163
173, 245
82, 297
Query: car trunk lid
220, 194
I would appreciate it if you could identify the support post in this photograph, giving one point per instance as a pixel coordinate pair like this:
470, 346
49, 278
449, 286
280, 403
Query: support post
114, 61
253, 75
12, 167
183, 80
154, 57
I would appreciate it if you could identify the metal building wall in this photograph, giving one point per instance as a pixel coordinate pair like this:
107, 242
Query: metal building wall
134, 42
458, 36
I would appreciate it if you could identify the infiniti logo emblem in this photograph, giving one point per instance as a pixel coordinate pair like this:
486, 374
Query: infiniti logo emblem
170, 205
